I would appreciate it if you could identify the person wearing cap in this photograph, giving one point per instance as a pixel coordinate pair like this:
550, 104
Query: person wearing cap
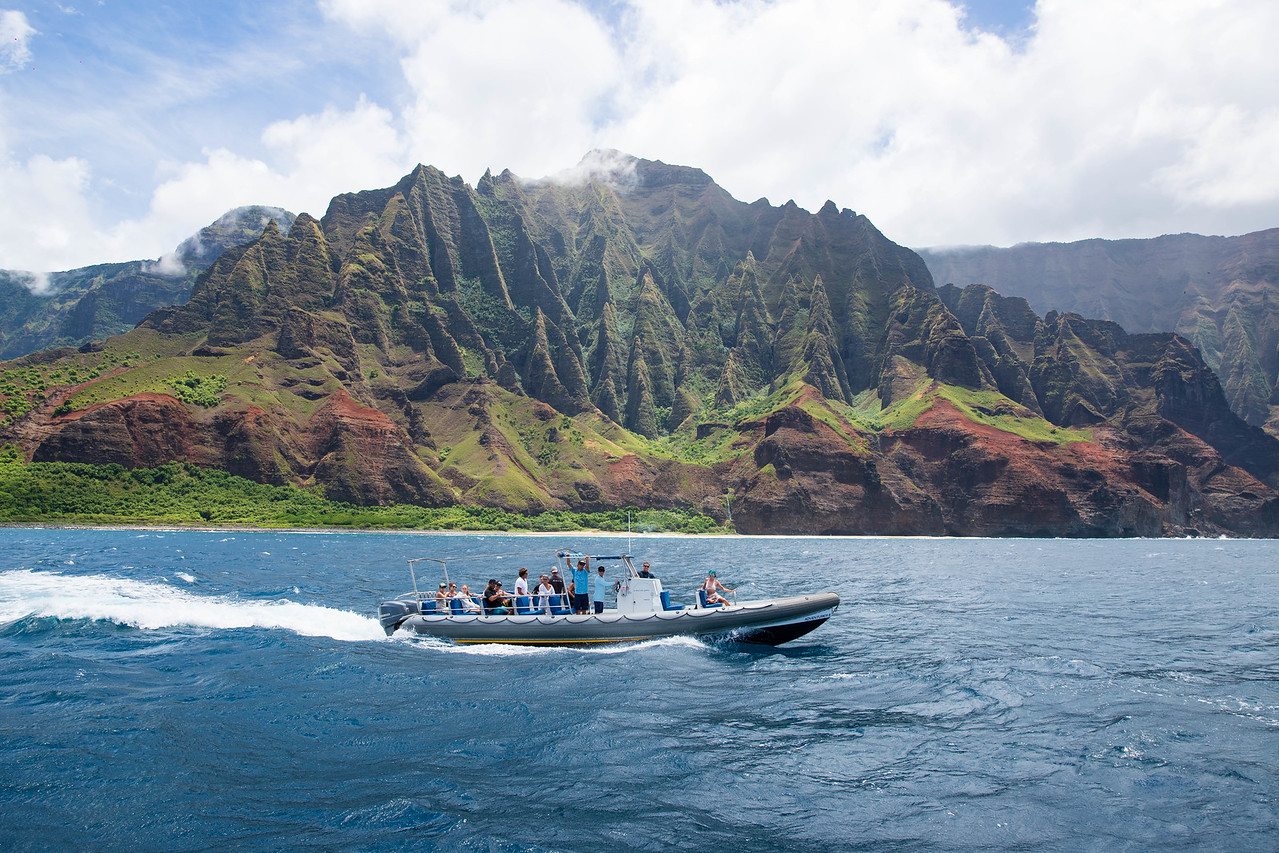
644, 572
557, 584
712, 588
601, 587
578, 586
442, 598
495, 599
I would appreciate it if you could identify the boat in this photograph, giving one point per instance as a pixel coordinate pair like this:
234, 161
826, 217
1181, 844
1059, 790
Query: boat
643, 611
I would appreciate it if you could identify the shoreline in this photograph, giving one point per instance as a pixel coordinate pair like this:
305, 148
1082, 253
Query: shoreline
608, 534
398, 531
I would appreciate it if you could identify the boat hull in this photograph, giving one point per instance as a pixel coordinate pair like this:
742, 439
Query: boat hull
760, 622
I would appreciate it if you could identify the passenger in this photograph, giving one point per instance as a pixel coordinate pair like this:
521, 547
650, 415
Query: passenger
644, 572
468, 601
557, 584
452, 590
712, 588
442, 598
521, 583
544, 593
578, 587
495, 600
601, 587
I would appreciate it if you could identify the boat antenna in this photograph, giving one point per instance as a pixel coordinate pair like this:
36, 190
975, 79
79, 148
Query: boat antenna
629, 548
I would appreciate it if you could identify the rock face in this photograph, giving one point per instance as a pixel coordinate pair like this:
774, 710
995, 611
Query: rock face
642, 338
1220, 293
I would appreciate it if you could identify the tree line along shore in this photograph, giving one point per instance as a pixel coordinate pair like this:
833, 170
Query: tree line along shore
185, 494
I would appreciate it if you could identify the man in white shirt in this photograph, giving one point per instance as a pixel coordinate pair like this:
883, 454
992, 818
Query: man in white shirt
521, 583
601, 587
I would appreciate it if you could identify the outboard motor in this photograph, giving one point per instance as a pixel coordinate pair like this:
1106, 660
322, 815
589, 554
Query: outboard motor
393, 613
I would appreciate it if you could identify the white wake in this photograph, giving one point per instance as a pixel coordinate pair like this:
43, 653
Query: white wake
152, 605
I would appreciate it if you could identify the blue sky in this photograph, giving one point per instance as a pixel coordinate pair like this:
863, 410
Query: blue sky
125, 126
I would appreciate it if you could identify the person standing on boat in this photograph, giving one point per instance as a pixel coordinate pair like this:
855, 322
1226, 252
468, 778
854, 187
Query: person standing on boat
711, 586
600, 588
544, 593
557, 584
578, 587
521, 583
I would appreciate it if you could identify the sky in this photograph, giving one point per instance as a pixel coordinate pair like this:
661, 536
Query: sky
127, 126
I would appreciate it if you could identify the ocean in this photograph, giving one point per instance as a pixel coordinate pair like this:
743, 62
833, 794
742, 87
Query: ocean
194, 690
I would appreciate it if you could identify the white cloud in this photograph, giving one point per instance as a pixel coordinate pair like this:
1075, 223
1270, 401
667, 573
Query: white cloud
1107, 119
38, 283
498, 84
15, 33
1104, 119
44, 215
48, 225
612, 167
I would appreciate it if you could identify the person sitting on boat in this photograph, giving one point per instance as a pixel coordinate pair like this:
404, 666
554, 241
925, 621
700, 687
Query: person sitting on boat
468, 600
544, 593
495, 600
644, 572
578, 587
521, 583
452, 590
712, 588
442, 598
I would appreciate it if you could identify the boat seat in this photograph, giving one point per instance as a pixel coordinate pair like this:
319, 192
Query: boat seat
666, 601
426, 606
701, 599
455, 606
559, 605
523, 605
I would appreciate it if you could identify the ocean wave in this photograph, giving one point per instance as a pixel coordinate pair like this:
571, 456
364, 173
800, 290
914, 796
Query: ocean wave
150, 605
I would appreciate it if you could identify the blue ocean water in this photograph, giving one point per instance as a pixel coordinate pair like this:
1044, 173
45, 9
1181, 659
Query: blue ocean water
181, 690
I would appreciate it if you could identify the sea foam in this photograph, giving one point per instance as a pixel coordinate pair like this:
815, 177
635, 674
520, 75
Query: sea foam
154, 605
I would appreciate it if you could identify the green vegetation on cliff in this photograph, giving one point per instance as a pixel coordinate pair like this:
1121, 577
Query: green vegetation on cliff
182, 493
552, 351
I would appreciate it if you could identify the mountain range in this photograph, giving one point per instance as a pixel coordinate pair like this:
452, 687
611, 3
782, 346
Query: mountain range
630, 334
1220, 293
96, 302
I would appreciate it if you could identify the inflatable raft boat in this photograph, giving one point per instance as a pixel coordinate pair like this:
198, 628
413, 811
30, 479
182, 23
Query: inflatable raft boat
643, 612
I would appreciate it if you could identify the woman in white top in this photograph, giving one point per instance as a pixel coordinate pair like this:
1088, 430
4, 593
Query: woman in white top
544, 593
469, 604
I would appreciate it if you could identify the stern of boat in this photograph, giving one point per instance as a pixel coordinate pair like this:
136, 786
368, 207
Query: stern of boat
393, 613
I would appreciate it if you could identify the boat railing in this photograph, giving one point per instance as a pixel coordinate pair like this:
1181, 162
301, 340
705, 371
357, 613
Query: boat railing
462, 605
